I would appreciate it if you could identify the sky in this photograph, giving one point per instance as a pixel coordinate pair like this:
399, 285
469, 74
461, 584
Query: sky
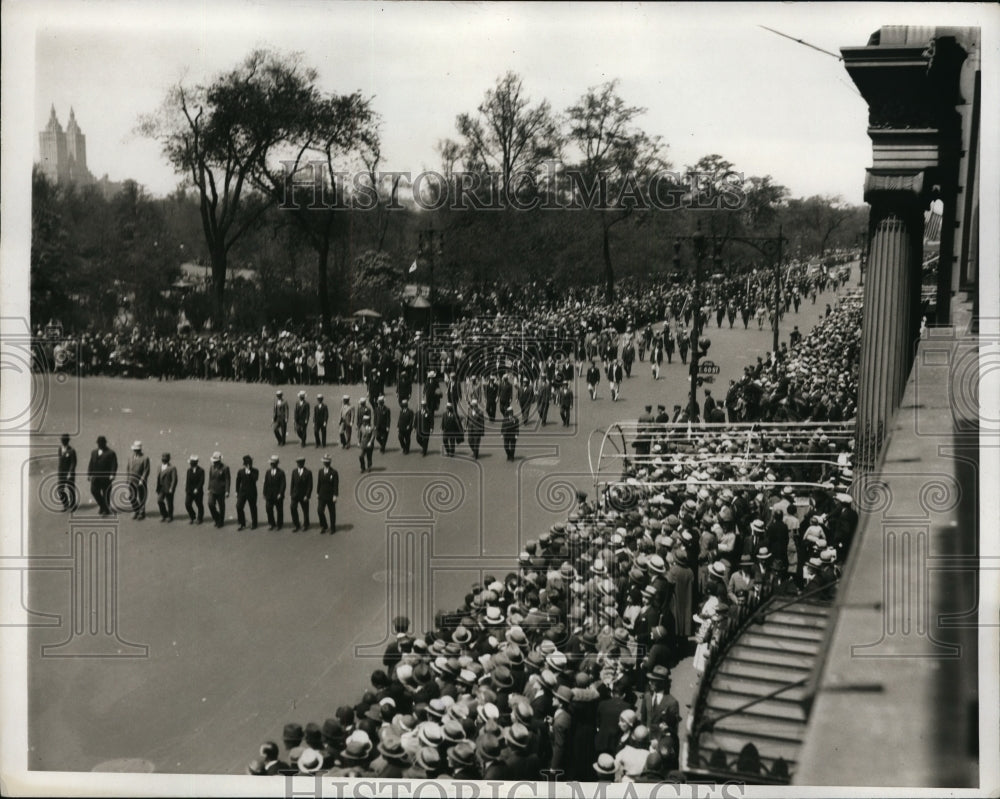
712, 80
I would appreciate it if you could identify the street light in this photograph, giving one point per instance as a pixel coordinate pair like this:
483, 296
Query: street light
698, 243
430, 247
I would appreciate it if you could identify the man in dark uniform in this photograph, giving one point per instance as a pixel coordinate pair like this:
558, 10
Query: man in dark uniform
476, 426
425, 426
280, 418
274, 495
509, 431
565, 404
492, 396
709, 405
327, 489
194, 489
662, 417
404, 387
506, 394
404, 426
66, 487
246, 492
219, 483
683, 343
544, 397
101, 471
302, 418
593, 379
321, 417
300, 493
166, 485
383, 423
451, 429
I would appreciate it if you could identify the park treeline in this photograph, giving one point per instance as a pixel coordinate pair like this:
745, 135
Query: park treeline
224, 248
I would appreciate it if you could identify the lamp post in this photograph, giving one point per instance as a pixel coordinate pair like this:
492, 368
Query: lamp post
429, 247
698, 244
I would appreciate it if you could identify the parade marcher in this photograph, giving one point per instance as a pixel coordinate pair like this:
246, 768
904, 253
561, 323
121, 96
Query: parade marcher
246, 493
669, 344
274, 494
327, 489
544, 397
525, 397
593, 379
366, 441
279, 418
492, 397
509, 431
565, 404
321, 417
300, 492
383, 423
302, 411
404, 425
451, 430
475, 426
425, 426
219, 483
66, 487
346, 422
138, 480
166, 485
194, 491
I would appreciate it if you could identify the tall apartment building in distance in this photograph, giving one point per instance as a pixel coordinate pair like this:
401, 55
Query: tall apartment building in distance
64, 153
64, 156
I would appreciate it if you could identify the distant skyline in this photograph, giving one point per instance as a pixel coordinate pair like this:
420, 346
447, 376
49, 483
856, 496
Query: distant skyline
713, 81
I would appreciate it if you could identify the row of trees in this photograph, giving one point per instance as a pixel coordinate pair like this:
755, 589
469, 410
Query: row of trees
238, 140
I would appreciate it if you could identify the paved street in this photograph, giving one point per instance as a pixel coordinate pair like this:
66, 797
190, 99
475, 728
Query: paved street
248, 630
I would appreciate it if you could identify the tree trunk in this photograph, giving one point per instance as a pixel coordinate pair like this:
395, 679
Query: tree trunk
322, 264
609, 272
218, 255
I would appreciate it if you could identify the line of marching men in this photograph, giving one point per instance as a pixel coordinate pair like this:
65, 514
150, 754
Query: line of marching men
215, 486
372, 421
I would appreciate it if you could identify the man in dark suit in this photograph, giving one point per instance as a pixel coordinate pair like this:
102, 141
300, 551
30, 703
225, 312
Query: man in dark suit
404, 425
301, 492
246, 493
327, 489
425, 426
383, 423
100, 472
66, 487
509, 431
166, 485
565, 404
476, 426
219, 484
658, 710
194, 490
302, 418
280, 418
321, 417
451, 429
274, 495
492, 397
